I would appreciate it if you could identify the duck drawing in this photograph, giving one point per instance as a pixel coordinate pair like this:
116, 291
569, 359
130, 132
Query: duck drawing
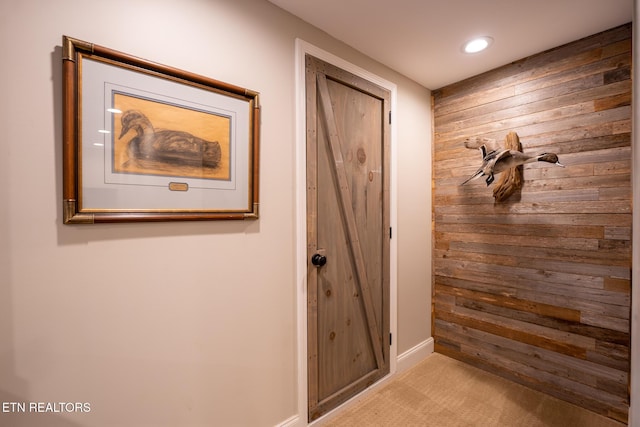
496, 160
168, 146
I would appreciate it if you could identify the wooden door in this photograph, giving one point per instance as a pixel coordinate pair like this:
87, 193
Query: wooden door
347, 234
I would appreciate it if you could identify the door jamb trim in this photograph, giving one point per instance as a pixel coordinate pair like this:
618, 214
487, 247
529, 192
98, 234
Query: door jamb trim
303, 48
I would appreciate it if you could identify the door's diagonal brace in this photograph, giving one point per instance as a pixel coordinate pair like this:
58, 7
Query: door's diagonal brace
346, 204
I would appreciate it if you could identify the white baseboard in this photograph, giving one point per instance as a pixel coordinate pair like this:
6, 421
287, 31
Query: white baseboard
290, 422
414, 355
405, 361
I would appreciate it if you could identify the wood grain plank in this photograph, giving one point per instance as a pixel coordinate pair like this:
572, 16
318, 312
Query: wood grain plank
557, 345
547, 310
345, 195
580, 90
529, 289
537, 288
579, 370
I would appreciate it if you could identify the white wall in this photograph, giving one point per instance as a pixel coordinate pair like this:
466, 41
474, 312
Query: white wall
414, 218
167, 324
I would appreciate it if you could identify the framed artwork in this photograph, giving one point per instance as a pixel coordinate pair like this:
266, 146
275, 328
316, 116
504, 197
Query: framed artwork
148, 142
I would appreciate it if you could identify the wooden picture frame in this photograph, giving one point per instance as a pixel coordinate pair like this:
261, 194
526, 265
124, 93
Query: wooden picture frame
148, 142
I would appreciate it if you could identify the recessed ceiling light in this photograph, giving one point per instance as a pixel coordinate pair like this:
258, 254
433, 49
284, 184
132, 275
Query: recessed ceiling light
477, 45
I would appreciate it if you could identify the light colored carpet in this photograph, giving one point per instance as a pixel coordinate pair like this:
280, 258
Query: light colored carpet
444, 392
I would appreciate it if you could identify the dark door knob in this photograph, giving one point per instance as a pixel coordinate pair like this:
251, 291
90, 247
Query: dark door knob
318, 260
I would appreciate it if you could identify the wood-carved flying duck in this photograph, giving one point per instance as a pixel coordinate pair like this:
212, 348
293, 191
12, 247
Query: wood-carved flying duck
169, 146
496, 160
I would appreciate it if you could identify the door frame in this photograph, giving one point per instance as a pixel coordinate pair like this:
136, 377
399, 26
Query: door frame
303, 48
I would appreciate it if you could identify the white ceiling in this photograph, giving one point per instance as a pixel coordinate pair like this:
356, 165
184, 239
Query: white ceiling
422, 39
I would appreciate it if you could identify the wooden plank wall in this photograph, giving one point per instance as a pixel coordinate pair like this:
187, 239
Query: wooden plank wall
537, 288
